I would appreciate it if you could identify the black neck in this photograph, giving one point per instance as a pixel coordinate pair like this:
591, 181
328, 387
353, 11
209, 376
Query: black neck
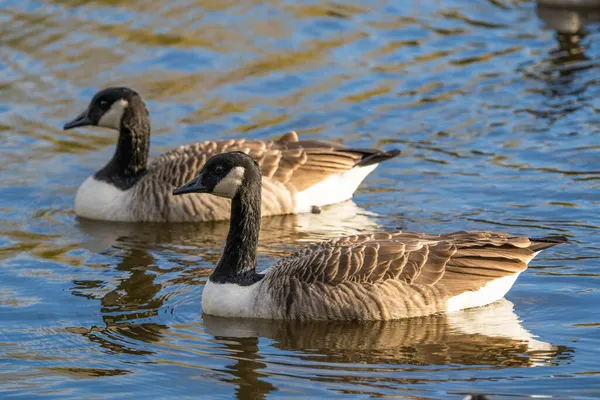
238, 262
129, 162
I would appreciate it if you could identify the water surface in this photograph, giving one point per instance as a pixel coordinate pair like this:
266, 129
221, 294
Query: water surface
495, 105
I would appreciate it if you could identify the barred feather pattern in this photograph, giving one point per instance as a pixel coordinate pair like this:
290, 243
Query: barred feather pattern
288, 166
387, 276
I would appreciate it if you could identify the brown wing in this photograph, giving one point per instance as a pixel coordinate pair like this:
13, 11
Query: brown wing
392, 275
460, 260
297, 164
371, 258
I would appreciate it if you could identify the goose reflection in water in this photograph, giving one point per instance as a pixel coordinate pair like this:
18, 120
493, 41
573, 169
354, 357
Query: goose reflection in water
336, 220
127, 309
492, 336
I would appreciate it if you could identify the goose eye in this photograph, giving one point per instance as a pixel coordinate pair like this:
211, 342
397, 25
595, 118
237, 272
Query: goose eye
219, 169
104, 104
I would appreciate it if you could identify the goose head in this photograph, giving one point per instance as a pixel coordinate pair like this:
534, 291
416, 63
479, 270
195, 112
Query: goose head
107, 108
223, 175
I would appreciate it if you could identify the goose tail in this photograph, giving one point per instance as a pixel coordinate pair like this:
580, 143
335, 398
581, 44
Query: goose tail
376, 157
546, 242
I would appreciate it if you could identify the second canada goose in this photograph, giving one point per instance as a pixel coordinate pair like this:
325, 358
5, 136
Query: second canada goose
299, 175
380, 276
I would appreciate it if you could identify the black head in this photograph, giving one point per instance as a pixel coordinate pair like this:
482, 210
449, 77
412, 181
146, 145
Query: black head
223, 175
106, 108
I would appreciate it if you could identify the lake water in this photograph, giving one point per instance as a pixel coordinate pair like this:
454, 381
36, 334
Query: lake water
495, 105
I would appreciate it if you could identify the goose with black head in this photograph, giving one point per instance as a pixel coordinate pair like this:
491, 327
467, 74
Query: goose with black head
381, 276
299, 175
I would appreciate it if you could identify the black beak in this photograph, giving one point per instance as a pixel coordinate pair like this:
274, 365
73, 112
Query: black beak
193, 186
81, 120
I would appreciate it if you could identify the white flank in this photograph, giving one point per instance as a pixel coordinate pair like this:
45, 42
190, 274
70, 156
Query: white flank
112, 118
228, 186
100, 200
229, 299
336, 188
493, 291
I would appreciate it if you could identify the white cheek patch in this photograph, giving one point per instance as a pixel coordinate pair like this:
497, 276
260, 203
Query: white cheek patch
229, 185
112, 118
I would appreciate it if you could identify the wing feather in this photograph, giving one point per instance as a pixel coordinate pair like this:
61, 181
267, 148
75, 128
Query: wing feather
472, 258
299, 164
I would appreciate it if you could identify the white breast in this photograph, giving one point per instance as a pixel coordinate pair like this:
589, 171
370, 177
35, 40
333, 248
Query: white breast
336, 188
229, 300
100, 200
493, 291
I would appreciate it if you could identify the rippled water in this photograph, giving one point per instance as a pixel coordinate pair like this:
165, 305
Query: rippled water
494, 103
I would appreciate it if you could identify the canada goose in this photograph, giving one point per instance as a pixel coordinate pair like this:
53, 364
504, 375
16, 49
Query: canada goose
379, 276
300, 176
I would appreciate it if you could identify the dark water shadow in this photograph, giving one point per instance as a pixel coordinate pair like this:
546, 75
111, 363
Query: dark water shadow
127, 310
244, 370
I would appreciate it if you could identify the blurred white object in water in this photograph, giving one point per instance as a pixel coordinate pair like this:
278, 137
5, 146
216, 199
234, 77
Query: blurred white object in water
565, 19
